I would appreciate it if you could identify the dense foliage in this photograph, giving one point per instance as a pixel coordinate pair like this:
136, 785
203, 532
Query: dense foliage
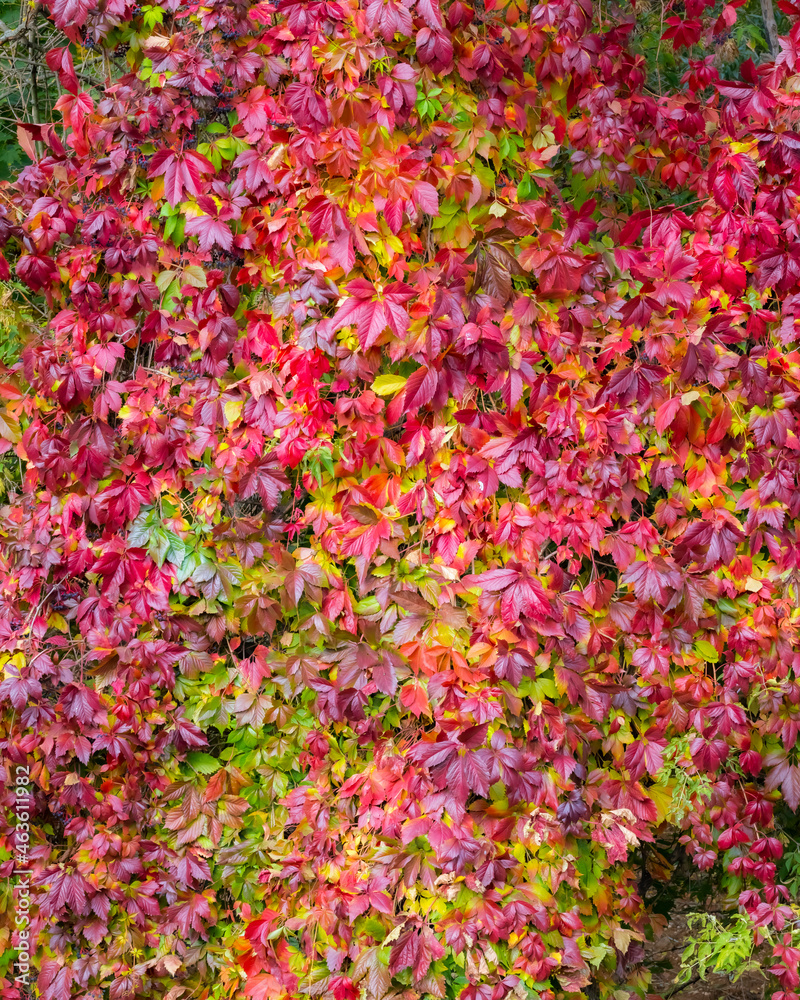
400, 532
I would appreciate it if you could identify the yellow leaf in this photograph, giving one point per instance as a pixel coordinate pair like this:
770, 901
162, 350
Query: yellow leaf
622, 939
233, 410
164, 280
194, 275
9, 428
388, 385
58, 622
393, 934
661, 796
753, 586
393, 243
17, 661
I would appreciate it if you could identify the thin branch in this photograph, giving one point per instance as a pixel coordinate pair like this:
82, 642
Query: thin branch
37, 104
679, 989
14, 33
90, 80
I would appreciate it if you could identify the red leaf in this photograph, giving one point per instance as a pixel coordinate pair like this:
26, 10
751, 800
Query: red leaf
70, 14
414, 697
429, 9
307, 107
404, 951
425, 197
269, 480
786, 776
209, 232
55, 980
183, 172
60, 62
384, 673
684, 33
667, 412
420, 387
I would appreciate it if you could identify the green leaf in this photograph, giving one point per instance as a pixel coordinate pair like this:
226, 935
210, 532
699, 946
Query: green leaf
173, 229
704, 649
526, 189
369, 606
326, 457
176, 552
142, 527
158, 546
203, 762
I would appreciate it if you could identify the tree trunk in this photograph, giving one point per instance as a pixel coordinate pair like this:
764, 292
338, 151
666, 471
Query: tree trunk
770, 26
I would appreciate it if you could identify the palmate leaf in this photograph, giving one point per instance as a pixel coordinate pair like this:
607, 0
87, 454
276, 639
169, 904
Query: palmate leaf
209, 232
71, 14
182, 171
268, 480
494, 266
307, 107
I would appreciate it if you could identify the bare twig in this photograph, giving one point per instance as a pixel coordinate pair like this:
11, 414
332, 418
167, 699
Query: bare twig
37, 104
90, 80
14, 33
679, 989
